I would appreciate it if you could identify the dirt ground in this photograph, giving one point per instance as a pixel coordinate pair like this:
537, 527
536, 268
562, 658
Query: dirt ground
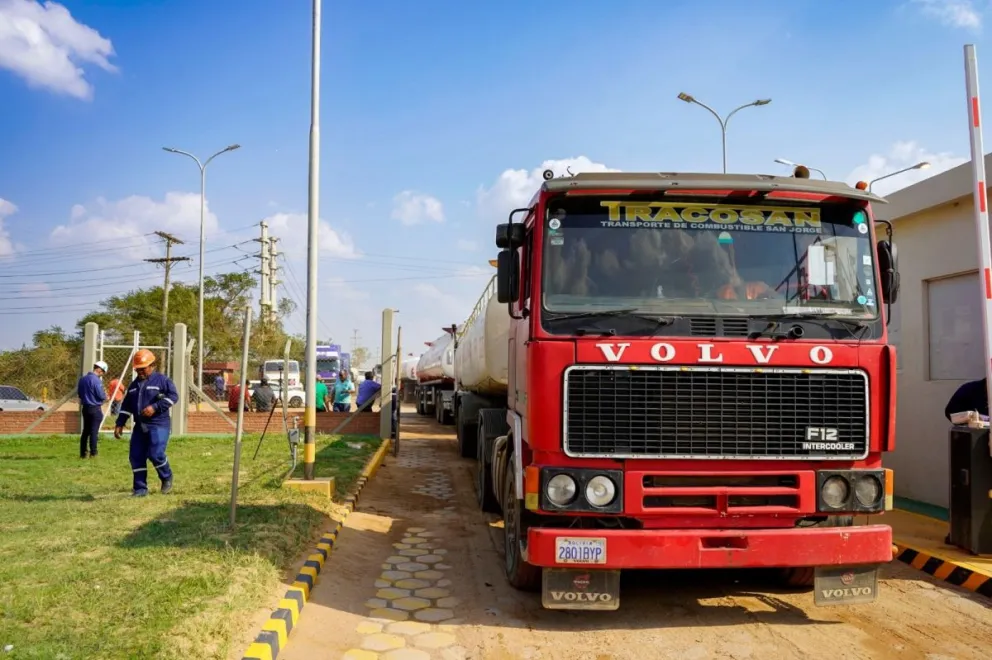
417, 575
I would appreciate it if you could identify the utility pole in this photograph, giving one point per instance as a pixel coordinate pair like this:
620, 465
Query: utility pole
273, 281
313, 218
266, 272
354, 341
167, 262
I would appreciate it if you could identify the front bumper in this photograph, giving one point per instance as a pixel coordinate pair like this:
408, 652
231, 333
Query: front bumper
695, 548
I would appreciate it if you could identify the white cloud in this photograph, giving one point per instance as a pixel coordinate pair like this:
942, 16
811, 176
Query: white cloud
413, 208
44, 45
466, 245
515, 188
952, 13
6, 244
36, 290
127, 221
291, 229
902, 155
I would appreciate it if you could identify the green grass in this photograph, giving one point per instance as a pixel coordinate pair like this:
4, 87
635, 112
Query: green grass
86, 571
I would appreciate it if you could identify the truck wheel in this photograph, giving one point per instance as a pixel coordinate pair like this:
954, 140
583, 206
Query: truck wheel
296, 402
485, 495
446, 417
519, 574
801, 577
466, 432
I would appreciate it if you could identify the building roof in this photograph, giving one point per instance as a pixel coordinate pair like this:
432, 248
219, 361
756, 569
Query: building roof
693, 181
933, 191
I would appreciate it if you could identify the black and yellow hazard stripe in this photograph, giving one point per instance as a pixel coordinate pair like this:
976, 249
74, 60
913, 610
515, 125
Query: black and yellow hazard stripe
945, 570
275, 632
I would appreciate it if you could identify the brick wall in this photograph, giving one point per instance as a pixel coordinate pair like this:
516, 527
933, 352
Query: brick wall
211, 422
59, 422
67, 421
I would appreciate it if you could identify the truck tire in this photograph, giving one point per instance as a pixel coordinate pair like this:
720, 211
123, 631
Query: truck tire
447, 419
485, 494
466, 433
801, 577
519, 574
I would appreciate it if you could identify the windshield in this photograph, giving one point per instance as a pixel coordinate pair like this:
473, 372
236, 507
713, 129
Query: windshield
276, 365
703, 258
328, 365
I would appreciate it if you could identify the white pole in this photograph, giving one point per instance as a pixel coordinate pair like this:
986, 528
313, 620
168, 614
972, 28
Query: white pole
313, 217
245, 341
981, 201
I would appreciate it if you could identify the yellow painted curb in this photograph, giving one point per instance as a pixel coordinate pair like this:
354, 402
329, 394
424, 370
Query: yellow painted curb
275, 632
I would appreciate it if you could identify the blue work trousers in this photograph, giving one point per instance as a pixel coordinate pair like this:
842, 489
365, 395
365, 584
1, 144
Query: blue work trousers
148, 443
92, 417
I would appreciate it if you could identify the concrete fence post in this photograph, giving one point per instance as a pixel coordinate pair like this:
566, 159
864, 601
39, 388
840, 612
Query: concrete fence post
91, 349
180, 376
388, 377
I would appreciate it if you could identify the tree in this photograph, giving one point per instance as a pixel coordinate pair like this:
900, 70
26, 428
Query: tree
360, 357
49, 366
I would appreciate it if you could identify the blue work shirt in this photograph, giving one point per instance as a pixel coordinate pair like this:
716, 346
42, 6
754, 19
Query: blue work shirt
366, 390
90, 390
156, 391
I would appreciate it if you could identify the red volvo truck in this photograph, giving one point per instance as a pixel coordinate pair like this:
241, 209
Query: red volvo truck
698, 377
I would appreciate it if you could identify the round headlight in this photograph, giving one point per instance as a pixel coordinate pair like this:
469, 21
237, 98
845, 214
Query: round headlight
868, 490
835, 491
561, 489
600, 491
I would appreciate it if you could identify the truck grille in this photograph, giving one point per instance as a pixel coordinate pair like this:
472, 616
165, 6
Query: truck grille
705, 412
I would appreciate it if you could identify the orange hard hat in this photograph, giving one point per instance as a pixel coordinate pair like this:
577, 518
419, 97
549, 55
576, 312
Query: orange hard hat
143, 358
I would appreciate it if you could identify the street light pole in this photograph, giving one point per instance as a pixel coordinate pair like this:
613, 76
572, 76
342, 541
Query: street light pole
919, 166
203, 210
789, 163
688, 98
313, 220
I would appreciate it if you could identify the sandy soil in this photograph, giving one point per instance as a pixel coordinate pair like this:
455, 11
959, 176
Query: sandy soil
418, 575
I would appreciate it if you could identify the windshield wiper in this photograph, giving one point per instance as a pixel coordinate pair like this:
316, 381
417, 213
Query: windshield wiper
852, 325
659, 321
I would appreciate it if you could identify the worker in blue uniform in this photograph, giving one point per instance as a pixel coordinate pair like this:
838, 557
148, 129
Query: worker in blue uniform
148, 401
91, 398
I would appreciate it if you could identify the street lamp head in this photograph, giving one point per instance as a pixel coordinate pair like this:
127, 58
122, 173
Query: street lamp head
921, 166
686, 97
170, 150
233, 147
762, 102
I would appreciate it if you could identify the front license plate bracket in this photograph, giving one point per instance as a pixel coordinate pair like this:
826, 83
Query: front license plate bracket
579, 589
845, 585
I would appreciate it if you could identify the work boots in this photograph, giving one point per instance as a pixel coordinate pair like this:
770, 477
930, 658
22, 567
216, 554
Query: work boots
166, 486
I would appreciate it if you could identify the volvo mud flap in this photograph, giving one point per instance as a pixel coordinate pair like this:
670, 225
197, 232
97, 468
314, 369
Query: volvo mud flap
577, 589
845, 585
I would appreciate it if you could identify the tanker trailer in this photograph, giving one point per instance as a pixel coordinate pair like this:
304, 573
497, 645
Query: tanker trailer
436, 379
408, 379
481, 372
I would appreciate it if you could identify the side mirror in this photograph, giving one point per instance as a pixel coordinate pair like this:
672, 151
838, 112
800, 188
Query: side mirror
509, 236
508, 276
888, 268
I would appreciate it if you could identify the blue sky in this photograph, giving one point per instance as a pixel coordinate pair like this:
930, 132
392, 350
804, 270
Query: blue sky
437, 117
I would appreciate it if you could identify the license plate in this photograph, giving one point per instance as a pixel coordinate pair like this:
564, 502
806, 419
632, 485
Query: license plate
576, 589
580, 550
849, 585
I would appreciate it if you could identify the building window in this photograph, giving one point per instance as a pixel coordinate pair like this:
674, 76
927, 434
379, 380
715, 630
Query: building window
955, 328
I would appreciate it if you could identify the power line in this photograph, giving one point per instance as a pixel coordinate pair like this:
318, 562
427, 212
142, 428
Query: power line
167, 261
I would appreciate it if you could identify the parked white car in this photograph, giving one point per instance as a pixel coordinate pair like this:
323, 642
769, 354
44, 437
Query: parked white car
13, 399
297, 396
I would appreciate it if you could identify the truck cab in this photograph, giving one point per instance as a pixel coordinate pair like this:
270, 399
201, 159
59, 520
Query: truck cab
699, 377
